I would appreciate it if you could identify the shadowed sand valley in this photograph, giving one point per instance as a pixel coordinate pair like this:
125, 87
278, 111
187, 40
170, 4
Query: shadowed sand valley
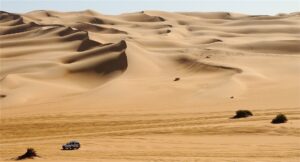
150, 86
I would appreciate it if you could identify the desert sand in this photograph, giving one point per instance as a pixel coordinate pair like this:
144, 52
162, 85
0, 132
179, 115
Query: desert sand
109, 82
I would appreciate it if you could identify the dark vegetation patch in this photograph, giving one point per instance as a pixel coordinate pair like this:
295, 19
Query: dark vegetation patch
280, 118
30, 154
242, 114
176, 79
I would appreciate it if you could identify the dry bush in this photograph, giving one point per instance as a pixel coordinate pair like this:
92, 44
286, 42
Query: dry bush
280, 118
242, 114
30, 154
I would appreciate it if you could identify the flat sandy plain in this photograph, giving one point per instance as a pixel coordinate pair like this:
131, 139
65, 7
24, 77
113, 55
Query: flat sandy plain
108, 81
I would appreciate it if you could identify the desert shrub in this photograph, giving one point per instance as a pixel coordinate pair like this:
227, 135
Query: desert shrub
280, 118
30, 154
176, 79
242, 114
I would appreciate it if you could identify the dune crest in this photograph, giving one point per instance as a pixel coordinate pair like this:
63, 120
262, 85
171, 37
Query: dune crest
87, 49
51, 53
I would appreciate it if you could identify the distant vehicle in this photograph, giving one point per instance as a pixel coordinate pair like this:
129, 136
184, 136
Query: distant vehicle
72, 145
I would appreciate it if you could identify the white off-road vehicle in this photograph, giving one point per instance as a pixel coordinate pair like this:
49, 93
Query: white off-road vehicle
72, 145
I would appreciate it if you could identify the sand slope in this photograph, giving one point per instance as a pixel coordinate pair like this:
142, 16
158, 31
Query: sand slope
109, 82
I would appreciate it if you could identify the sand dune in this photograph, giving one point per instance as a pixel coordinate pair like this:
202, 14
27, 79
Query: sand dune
108, 81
